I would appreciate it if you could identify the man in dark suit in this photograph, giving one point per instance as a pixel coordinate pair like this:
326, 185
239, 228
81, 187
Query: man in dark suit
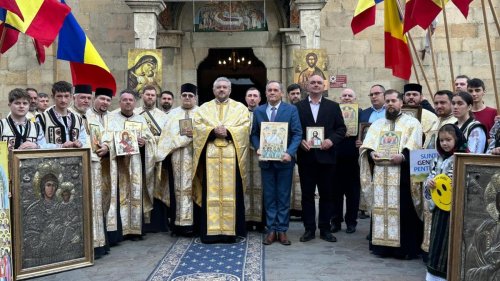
277, 175
317, 165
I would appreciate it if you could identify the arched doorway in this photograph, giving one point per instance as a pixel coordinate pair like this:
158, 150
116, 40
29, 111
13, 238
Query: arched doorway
239, 65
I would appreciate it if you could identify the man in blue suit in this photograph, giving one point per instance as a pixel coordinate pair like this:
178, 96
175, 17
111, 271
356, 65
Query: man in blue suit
277, 175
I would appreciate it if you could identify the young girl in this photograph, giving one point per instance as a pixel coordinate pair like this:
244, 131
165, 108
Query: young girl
474, 132
450, 140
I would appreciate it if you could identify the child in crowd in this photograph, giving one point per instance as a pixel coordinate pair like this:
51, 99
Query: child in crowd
450, 140
18, 131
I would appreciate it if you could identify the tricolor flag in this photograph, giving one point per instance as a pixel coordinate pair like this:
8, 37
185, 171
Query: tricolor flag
11, 5
87, 66
397, 54
10, 36
463, 6
421, 13
364, 15
42, 19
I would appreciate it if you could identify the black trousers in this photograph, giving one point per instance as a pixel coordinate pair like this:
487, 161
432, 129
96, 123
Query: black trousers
348, 186
322, 176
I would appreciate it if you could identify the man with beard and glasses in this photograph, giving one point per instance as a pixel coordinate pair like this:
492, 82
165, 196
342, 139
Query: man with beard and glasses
166, 101
396, 228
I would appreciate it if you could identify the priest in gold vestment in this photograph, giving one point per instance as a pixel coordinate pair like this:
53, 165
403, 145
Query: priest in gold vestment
396, 227
220, 144
175, 149
157, 219
130, 186
100, 167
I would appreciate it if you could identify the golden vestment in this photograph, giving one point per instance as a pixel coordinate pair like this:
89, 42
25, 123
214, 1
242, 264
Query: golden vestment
425, 213
381, 188
98, 184
181, 149
296, 196
135, 188
253, 192
222, 158
156, 120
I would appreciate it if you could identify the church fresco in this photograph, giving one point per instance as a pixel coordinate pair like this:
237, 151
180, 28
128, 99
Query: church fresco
230, 16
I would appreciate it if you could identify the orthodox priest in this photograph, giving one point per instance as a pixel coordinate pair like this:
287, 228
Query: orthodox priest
385, 180
220, 144
99, 167
129, 196
157, 219
176, 152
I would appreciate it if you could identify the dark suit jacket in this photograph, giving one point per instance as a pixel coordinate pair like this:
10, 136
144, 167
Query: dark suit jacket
364, 116
329, 117
286, 113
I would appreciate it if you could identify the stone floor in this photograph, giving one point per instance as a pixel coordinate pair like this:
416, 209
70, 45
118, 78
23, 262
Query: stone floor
348, 259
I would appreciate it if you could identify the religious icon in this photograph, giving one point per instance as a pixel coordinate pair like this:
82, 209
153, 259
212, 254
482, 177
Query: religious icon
363, 130
389, 144
52, 218
350, 114
126, 143
273, 140
315, 136
474, 252
413, 111
135, 126
95, 137
6, 270
185, 126
309, 62
144, 68
225, 17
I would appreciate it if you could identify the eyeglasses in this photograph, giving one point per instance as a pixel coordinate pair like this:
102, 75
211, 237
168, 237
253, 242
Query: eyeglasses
190, 96
375, 94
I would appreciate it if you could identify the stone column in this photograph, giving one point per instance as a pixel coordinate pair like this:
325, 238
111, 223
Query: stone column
170, 42
145, 21
310, 24
290, 42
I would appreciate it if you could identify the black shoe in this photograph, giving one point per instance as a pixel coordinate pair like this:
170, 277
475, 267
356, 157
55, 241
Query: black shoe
307, 236
327, 236
350, 229
363, 215
336, 228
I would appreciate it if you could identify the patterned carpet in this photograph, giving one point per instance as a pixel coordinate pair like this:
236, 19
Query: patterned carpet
188, 259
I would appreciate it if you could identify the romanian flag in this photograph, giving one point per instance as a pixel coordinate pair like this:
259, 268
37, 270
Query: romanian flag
11, 5
87, 66
11, 35
42, 19
397, 54
421, 13
364, 15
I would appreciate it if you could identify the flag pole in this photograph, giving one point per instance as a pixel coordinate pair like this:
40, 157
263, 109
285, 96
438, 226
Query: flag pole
415, 70
494, 16
409, 38
489, 54
429, 33
448, 44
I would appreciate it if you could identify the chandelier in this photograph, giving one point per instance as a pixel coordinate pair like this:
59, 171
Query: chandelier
235, 61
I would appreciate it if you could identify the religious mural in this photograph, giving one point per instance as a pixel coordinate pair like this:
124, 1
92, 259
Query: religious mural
309, 62
230, 16
144, 68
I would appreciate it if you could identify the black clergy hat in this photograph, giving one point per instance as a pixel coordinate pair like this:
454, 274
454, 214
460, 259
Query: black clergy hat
103, 92
83, 89
412, 87
188, 87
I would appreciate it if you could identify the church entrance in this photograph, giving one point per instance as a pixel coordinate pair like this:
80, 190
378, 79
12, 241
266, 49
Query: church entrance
239, 65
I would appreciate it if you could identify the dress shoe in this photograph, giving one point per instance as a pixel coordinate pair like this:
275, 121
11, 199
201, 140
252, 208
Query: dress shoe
350, 229
336, 228
327, 236
363, 215
307, 236
283, 239
270, 238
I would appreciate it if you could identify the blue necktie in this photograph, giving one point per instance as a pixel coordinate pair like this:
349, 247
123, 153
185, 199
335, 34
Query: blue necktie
273, 113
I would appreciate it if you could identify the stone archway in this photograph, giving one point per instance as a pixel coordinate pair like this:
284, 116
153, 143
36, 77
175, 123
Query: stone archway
248, 72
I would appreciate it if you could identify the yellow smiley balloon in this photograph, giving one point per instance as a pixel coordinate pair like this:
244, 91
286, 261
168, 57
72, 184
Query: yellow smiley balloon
441, 195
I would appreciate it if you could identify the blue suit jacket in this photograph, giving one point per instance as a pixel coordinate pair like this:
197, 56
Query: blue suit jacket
286, 113
364, 116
